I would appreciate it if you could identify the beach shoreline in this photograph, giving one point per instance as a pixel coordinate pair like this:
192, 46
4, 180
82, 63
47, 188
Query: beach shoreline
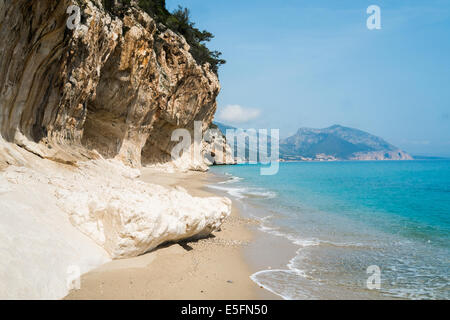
218, 267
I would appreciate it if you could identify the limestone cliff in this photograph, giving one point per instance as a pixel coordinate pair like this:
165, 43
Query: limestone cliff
78, 109
216, 149
116, 86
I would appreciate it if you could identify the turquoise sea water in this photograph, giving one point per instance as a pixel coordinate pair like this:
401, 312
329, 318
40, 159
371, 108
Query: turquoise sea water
347, 216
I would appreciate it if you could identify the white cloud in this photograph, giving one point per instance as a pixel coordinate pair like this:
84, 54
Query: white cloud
237, 114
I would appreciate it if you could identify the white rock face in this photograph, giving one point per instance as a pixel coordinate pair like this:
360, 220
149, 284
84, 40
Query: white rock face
128, 217
40, 250
43, 210
216, 149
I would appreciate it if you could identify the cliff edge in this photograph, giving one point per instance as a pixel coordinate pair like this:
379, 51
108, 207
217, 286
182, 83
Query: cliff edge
82, 109
116, 86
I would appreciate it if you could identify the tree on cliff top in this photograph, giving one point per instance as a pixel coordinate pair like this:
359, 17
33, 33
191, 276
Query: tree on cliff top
178, 21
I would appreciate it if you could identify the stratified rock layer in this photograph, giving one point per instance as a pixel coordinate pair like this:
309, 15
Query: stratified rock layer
96, 100
114, 86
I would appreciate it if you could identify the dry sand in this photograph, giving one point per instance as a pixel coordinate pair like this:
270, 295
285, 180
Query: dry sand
212, 268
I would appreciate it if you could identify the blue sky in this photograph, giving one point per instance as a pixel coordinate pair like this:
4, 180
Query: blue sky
294, 64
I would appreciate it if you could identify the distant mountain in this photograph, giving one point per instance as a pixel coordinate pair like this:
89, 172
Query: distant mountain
223, 127
338, 143
333, 143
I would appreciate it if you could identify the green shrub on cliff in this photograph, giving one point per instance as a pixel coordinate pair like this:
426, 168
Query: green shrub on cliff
178, 21
110, 4
155, 8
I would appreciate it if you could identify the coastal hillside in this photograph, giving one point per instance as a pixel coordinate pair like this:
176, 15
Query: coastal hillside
333, 143
338, 143
85, 103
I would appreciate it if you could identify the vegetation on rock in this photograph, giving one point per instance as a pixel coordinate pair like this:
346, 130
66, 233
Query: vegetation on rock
179, 22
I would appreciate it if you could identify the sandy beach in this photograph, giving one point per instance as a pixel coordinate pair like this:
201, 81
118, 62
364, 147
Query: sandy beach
218, 267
